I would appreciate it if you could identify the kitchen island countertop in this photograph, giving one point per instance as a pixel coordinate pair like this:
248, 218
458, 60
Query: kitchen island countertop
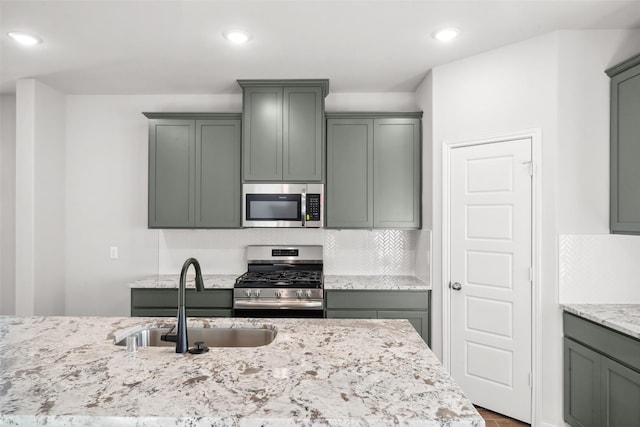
624, 318
66, 371
331, 282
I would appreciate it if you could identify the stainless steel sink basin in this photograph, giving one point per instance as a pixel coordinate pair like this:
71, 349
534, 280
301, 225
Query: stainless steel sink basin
212, 337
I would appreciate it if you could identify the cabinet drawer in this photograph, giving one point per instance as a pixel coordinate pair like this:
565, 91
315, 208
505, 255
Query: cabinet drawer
168, 298
614, 344
378, 300
351, 314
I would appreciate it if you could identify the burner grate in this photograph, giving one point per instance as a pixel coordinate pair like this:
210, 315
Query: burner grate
280, 278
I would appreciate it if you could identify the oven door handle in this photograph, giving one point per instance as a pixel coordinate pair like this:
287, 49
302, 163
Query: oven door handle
277, 304
303, 207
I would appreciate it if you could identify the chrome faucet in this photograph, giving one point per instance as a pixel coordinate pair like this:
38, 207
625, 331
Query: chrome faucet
180, 337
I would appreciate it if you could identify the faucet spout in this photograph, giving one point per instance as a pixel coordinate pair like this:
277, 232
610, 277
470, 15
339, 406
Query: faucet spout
181, 338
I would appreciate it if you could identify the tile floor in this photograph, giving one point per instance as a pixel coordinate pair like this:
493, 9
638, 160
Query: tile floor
493, 419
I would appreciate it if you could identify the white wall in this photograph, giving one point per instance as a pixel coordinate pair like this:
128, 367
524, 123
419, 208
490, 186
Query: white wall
547, 83
398, 101
7, 204
40, 199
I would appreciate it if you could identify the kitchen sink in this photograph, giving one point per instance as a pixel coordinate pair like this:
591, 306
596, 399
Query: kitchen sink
211, 337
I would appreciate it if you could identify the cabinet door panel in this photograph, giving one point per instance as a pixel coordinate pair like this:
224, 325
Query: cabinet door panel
171, 173
218, 193
396, 173
302, 135
625, 151
262, 129
581, 385
349, 173
620, 395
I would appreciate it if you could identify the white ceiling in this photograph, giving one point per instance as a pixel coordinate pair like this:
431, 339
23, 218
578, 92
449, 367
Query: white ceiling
171, 47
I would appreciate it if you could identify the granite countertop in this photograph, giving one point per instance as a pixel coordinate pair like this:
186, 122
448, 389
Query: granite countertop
375, 283
331, 282
66, 371
211, 281
624, 318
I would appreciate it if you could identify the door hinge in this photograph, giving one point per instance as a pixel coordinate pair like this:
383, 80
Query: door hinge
530, 380
531, 275
531, 167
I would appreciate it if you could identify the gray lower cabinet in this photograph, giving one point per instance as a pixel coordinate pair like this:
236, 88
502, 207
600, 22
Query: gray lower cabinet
194, 170
373, 171
387, 304
153, 302
625, 147
601, 375
283, 130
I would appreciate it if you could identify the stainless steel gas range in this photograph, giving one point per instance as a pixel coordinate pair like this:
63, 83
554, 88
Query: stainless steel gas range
281, 281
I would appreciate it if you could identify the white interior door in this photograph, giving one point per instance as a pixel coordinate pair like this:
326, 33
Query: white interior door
490, 272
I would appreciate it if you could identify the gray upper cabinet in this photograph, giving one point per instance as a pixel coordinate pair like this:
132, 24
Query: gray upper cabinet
373, 170
396, 173
283, 130
262, 133
218, 192
349, 197
625, 147
171, 173
194, 170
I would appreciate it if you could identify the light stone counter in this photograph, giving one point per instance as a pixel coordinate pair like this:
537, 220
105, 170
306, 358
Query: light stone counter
331, 282
623, 318
211, 281
377, 283
66, 371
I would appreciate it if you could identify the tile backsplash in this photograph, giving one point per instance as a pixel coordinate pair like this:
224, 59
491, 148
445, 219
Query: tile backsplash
349, 252
599, 268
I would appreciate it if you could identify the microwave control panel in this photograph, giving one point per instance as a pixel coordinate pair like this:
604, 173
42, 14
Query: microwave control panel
313, 207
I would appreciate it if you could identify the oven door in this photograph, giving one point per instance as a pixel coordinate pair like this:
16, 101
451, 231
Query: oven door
273, 205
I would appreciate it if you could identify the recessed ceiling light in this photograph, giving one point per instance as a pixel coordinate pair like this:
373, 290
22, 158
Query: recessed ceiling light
25, 38
237, 37
446, 34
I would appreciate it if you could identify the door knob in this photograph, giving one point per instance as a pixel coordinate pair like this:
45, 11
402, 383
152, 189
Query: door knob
455, 286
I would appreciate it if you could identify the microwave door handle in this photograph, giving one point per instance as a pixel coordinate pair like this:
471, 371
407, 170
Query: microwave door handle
303, 207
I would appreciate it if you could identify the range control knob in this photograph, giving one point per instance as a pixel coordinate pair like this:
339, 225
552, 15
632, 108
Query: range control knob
307, 294
299, 293
248, 293
278, 293
256, 293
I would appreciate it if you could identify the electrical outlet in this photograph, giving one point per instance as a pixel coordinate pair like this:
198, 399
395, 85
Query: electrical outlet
113, 252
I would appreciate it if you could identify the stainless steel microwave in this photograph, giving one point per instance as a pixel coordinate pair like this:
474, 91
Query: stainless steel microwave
282, 205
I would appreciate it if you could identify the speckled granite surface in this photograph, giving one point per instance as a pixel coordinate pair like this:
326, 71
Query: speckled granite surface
375, 283
65, 371
213, 281
623, 318
226, 281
